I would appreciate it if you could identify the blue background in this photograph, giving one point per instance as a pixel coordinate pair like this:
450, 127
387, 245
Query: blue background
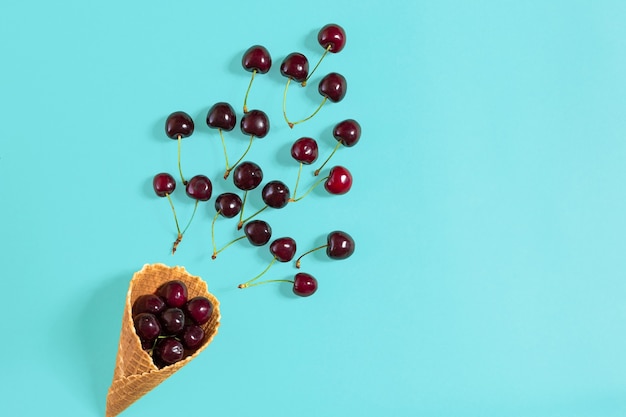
488, 206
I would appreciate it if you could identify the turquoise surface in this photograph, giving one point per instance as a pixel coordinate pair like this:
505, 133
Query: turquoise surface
488, 206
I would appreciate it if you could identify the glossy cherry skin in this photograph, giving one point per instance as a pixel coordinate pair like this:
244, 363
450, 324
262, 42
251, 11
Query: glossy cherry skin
148, 303
192, 337
257, 58
295, 66
275, 194
168, 351
172, 320
333, 86
199, 309
348, 132
174, 293
200, 188
339, 180
304, 284
178, 124
258, 232
147, 326
163, 184
305, 150
255, 123
228, 204
332, 35
283, 249
221, 116
340, 245
247, 176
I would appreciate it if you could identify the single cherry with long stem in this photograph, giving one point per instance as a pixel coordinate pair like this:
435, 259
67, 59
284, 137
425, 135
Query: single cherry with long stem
295, 67
246, 176
275, 194
255, 124
199, 187
179, 125
332, 87
346, 133
282, 249
339, 245
304, 284
332, 38
227, 205
305, 151
256, 59
221, 116
258, 233
164, 184
338, 181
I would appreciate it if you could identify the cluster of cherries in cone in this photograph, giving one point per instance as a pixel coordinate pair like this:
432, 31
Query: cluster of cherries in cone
248, 175
168, 324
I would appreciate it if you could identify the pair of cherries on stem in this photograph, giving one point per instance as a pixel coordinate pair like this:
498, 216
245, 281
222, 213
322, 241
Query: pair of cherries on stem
198, 188
254, 123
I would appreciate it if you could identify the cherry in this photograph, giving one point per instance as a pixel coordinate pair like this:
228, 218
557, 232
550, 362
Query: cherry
228, 205
172, 320
275, 194
255, 59
283, 249
179, 125
199, 309
164, 184
332, 87
168, 351
304, 284
258, 233
199, 188
148, 303
221, 116
305, 151
192, 337
247, 176
147, 326
174, 293
295, 67
347, 133
332, 38
339, 181
339, 245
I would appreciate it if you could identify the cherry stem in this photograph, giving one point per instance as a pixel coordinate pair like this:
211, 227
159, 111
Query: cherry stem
243, 203
245, 99
227, 172
180, 139
295, 189
250, 217
227, 245
317, 171
285, 103
306, 253
179, 238
228, 169
311, 189
264, 282
215, 251
195, 207
248, 283
292, 124
316, 65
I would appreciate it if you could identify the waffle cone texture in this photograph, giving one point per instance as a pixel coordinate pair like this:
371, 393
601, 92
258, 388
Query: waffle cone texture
135, 373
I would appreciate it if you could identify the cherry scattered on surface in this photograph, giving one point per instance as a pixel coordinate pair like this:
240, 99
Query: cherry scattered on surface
304, 284
339, 245
199, 188
332, 38
295, 67
221, 116
258, 233
275, 194
228, 205
332, 87
179, 125
247, 176
346, 133
339, 181
256, 59
282, 249
163, 185
305, 151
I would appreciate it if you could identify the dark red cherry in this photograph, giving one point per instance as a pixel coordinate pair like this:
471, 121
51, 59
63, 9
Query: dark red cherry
228, 204
174, 293
147, 326
339, 180
295, 66
275, 194
199, 309
192, 337
221, 116
258, 232
247, 176
168, 351
304, 150
199, 188
304, 284
333, 86
163, 184
257, 58
172, 320
348, 132
178, 124
340, 245
332, 36
255, 123
148, 303
283, 249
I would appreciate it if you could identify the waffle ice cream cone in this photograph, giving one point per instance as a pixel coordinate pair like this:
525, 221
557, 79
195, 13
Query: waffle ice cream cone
135, 373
